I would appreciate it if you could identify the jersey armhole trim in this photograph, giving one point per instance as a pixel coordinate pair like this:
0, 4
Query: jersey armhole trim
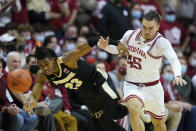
130, 36
148, 52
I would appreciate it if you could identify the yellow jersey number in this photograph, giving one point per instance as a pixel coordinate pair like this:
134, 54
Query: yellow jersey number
77, 82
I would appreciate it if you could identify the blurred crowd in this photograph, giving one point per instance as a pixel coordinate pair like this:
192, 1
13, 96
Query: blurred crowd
61, 25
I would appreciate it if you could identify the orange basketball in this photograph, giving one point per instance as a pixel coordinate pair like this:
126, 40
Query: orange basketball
19, 81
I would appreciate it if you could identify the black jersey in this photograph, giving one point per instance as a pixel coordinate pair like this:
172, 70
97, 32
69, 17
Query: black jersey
91, 82
84, 77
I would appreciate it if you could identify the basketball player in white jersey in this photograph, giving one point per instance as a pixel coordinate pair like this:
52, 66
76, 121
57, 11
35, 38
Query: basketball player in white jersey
142, 89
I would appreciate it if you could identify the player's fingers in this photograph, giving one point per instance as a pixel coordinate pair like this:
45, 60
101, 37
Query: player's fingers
107, 39
102, 38
174, 82
181, 83
178, 82
184, 82
29, 113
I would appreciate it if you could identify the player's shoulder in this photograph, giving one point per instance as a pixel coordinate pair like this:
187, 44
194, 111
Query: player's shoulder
162, 41
60, 59
128, 32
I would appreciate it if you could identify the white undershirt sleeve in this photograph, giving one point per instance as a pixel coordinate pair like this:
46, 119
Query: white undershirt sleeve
171, 56
112, 49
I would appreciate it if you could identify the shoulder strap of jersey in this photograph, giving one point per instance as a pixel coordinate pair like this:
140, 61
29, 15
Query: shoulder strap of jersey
154, 42
131, 36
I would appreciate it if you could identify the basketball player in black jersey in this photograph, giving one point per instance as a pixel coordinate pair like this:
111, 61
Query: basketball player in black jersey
94, 85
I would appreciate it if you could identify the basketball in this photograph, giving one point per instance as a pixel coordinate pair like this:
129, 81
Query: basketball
19, 81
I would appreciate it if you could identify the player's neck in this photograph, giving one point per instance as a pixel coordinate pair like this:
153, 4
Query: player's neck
143, 39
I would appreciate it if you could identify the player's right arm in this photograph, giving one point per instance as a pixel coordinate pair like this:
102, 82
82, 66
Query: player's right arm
115, 46
171, 56
37, 89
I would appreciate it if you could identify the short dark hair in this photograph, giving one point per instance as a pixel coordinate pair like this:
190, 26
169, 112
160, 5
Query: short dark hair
152, 15
11, 26
3, 62
29, 57
42, 53
48, 39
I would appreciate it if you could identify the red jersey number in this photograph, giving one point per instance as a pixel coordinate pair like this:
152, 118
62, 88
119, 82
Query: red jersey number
134, 62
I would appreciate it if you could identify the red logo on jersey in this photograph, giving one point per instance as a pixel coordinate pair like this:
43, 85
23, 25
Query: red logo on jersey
137, 50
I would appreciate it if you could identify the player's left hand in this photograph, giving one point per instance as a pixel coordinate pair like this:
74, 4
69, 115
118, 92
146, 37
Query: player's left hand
103, 43
179, 81
29, 104
67, 112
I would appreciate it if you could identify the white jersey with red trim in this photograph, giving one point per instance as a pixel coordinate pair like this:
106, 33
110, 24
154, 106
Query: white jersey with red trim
145, 57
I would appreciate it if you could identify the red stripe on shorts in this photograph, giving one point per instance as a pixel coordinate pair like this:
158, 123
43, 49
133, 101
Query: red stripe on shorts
134, 96
153, 115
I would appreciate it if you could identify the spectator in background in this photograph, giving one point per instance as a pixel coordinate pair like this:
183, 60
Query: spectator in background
186, 91
116, 20
186, 12
57, 10
37, 38
51, 42
69, 40
194, 87
167, 78
7, 44
85, 9
11, 29
136, 14
84, 31
148, 5
21, 17
191, 64
118, 76
25, 31
73, 8
71, 32
172, 30
6, 8
64, 121
44, 11
10, 117
13, 61
173, 96
22, 121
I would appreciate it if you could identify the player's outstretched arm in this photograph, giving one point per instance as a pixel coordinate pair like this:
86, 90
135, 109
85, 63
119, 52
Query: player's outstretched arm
70, 58
37, 89
112, 46
171, 56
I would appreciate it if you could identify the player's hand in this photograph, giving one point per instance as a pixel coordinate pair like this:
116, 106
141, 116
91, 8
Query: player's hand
67, 112
103, 43
187, 106
176, 107
122, 49
179, 81
29, 104
12, 109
